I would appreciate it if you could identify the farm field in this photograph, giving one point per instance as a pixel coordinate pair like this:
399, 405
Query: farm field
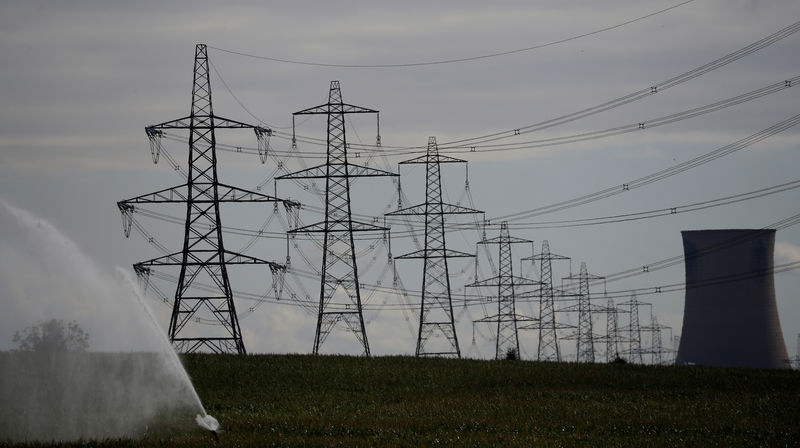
300, 400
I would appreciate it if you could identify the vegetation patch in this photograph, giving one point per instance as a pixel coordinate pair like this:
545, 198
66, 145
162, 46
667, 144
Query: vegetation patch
298, 400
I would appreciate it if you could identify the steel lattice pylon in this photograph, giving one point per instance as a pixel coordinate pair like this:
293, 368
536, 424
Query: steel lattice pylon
203, 295
340, 293
436, 308
612, 351
634, 330
585, 336
549, 349
657, 350
507, 319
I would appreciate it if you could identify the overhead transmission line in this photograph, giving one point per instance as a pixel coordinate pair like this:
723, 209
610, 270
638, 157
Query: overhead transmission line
454, 60
656, 213
585, 199
476, 299
657, 176
572, 138
466, 144
637, 126
643, 93
696, 206
678, 259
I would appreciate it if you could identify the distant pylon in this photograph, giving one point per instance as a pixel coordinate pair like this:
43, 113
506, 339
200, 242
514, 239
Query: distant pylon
436, 321
548, 349
340, 291
657, 349
634, 330
204, 294
584, 308
612, 349
507, 319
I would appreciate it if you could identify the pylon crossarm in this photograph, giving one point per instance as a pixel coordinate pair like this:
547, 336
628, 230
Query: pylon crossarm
228, 193
539, 325
447, 209
431, 253
541, 257
317, 172
325, 109
555, 292
201, 121
432, 158
176, 259
339, 226
505, 318
236, 258
167, 195
364, 171
504, 281
501, 240
323, 172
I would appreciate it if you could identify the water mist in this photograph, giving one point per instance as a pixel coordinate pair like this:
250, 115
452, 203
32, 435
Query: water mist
130, 378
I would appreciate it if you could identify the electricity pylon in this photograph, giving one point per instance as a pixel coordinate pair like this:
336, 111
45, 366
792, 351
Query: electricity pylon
657, 349
585, 335
436, 319
203, 295
634, 330
340, 293
549, 349
507, 319
612, 348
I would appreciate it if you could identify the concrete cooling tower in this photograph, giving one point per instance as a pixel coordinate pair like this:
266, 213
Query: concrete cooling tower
730, 318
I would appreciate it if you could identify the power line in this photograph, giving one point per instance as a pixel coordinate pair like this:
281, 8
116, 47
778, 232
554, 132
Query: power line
643, 93
657, 176
467, 144
703, 205
454, 60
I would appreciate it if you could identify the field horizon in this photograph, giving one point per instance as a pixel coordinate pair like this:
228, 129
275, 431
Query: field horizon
305, 400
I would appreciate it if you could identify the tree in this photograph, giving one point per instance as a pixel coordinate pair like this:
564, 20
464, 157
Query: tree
53, 335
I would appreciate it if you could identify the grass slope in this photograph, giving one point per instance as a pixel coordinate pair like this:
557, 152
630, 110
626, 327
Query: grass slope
293, 400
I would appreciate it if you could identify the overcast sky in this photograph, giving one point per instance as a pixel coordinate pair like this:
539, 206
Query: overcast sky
80, 80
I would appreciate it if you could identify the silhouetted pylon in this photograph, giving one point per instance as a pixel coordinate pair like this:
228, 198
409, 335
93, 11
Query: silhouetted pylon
634, 330
548, 349
203, 313
585, 335
437, 329
340, 291
507, 319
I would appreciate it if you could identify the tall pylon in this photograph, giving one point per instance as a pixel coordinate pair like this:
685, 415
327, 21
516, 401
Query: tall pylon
585, 335
203, 295
548, 349
437, 328
340, 292
634, 330
507, 319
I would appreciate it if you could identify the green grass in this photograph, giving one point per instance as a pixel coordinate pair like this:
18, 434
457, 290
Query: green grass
293, 400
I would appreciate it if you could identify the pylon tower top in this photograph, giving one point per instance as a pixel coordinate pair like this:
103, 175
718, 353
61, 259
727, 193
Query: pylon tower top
437, 331
340, 292
203, 315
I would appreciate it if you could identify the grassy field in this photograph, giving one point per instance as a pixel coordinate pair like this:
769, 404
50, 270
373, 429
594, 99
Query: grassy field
293, 400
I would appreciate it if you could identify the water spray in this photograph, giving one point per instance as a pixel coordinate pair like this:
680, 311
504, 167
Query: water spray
204, 420
208, 422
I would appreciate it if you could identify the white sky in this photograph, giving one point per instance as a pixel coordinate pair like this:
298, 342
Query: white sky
80, 80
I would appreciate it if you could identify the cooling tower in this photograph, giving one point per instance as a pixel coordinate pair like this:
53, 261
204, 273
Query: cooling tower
730, 318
